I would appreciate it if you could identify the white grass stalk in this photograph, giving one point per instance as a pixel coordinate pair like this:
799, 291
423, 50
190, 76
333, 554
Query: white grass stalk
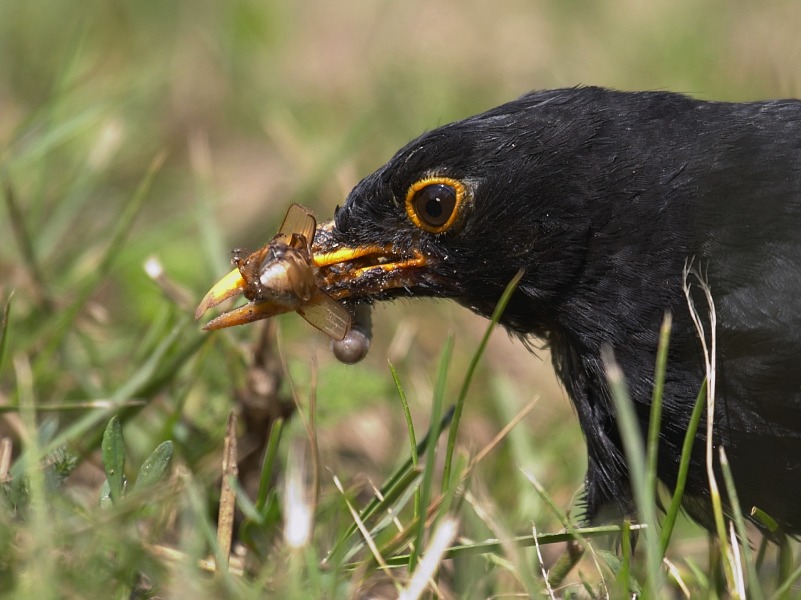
429, 564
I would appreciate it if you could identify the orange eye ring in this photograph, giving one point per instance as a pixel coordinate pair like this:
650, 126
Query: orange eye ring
434, 203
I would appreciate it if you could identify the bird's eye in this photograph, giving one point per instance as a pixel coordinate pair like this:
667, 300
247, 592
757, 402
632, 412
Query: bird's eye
433, 204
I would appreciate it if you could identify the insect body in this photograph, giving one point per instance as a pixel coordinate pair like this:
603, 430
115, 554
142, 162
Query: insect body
280, 272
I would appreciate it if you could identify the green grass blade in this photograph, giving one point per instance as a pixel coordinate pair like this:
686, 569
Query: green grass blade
766, 520
753, 587
23, 155
786, 561
635, 453
407, 413
4, 326
245, 506
624, 574
655, 424
684, 468
457, 415
786, 586
270, 453
430, 466
523, 541
80, 405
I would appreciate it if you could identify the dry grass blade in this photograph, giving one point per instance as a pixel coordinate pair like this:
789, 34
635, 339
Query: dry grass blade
739, 576
677, 577
542, 566
709, 351
6, 449
225, 515
171, 555
177, 294
500, 436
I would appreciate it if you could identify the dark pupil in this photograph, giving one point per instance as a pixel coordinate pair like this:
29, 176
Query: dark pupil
435, 204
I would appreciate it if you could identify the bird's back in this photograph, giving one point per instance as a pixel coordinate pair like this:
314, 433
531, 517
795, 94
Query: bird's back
714, 187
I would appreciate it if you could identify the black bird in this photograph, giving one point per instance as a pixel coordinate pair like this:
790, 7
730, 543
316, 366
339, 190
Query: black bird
605, 198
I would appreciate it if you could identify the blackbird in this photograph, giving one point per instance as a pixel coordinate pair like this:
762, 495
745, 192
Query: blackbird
605, 200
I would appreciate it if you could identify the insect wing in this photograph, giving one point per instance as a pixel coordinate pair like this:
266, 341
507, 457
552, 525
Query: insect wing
326, 314
300, 221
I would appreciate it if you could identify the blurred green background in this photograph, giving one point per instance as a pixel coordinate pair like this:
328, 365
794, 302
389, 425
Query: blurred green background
259, 104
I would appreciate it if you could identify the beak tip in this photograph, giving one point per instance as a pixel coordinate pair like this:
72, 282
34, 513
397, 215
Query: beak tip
227, 287
200, 311
220, 322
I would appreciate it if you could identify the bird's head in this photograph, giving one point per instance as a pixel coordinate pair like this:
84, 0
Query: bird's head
460, 210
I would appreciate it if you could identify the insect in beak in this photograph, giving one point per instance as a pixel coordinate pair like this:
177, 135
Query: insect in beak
276, 279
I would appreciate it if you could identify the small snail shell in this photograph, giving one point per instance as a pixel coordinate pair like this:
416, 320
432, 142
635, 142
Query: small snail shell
356, 343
